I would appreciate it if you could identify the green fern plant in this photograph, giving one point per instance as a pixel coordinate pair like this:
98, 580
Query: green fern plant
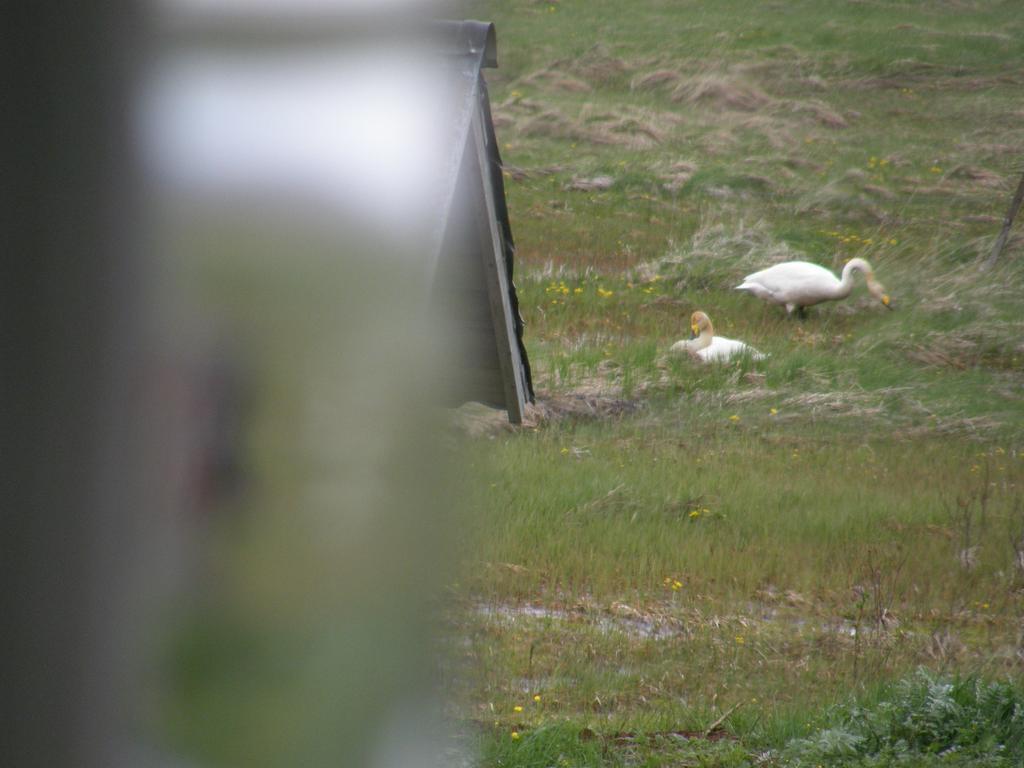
927, 720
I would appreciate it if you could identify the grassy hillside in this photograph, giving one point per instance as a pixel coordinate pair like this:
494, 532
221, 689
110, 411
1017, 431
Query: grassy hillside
774, 536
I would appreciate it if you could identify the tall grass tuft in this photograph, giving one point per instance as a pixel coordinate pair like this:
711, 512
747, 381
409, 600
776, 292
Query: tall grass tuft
554, 745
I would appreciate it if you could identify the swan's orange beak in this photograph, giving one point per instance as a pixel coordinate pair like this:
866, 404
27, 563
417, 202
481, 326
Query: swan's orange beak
887, 301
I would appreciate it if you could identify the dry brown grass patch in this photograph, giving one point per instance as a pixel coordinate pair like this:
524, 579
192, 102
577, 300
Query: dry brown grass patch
519, 174
973, 426
552, 123
992, 344
676, 180
877, 191
843, 196
837, 403
980, 176
989, 149
637, 128
778, 133
736, 248
962, 286
558, 81
589, 401
665, 171
883, 83
657, 79
717, 142
595, 183
801, 163
986, 35
951, 353
749, 395
721, 92
820, 111
632, 127
597, 66
814, 82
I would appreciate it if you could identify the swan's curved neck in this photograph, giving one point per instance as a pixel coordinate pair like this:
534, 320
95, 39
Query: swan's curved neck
706, 334
846, 284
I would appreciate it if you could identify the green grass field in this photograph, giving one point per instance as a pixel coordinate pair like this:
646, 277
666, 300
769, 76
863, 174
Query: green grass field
754, 545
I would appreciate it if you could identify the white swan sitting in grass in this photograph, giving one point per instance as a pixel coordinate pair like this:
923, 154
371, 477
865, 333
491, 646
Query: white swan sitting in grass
799, 284
711, 348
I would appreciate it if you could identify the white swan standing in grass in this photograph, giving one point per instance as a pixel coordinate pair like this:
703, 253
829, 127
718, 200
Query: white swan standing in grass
711, 348
799, 284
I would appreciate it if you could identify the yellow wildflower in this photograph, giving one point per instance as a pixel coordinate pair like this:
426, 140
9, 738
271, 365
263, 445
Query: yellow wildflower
734, 418
773, 411
517, 708
515, 735
536, 698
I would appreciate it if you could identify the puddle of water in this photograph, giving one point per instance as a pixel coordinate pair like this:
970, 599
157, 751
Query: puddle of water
643, 627
634, 626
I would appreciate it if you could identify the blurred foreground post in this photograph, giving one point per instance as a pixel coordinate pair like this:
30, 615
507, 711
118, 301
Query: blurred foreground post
74, 323
290, 187
297, 160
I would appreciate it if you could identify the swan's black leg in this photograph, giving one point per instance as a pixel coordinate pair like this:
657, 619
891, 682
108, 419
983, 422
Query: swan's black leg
801, 312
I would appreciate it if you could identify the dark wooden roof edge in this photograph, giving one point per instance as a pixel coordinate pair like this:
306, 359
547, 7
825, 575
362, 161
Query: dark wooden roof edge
501, 210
